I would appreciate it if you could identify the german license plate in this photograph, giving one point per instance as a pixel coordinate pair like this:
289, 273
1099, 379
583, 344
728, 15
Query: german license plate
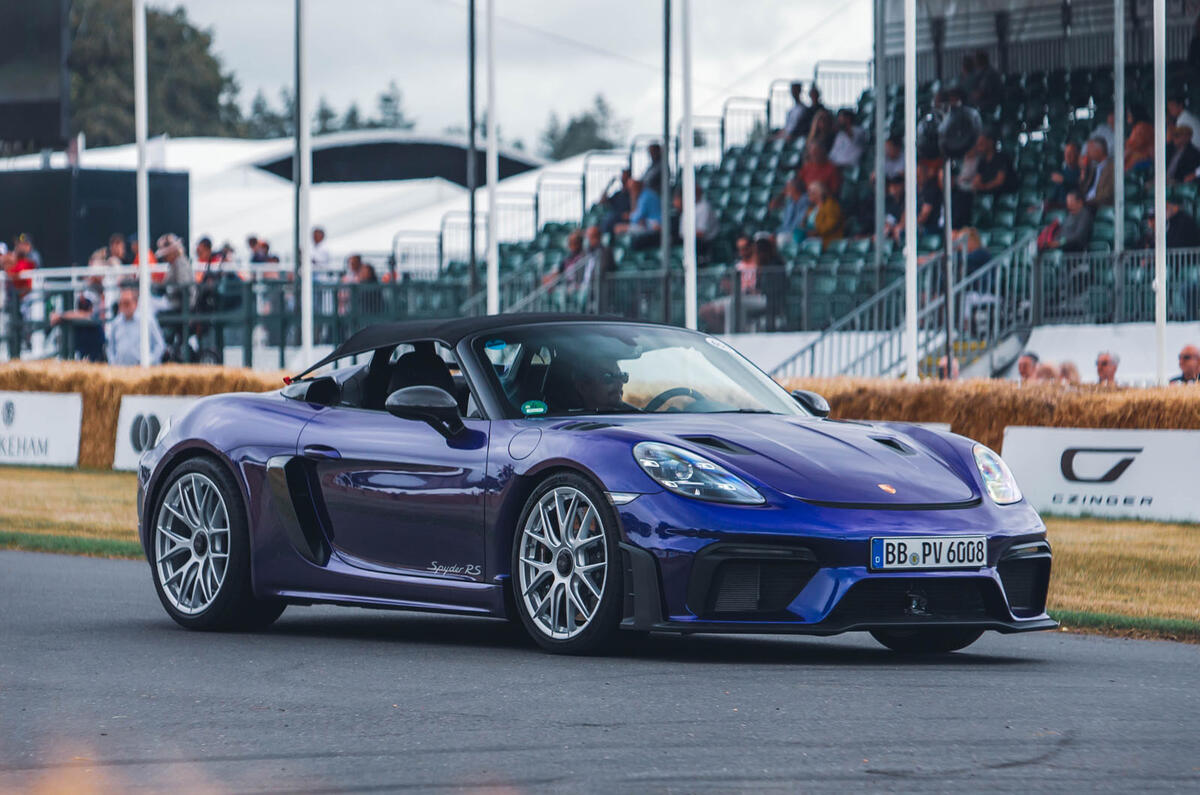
929, 552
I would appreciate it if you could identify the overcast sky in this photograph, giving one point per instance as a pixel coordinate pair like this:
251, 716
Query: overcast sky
551, 55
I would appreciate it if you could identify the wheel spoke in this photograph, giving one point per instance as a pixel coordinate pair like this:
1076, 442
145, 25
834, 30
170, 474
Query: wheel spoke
173, 537
590, 585
536, 582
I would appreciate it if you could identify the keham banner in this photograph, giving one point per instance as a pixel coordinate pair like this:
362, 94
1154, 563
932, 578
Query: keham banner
138, 424
1120, 474
40, 428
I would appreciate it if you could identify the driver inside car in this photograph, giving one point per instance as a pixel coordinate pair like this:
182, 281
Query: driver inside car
600, 383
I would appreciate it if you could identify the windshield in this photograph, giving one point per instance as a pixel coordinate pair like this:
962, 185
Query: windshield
564, 369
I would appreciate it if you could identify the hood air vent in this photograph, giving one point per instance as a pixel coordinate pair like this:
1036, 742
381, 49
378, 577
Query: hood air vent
714, 443
895, 444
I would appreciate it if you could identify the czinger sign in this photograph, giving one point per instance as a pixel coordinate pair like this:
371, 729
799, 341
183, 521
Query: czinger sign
40, 428
1126, 474
138, 425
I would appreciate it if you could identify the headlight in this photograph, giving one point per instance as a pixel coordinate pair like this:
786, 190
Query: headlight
691, 475
162, 432
999, 480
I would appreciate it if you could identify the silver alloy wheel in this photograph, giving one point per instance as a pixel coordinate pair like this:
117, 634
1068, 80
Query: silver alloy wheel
563, 563
191, 543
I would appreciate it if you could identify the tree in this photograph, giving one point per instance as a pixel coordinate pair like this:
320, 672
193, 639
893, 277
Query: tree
326, 118
594, 128
353, 118
391, 110
189, 93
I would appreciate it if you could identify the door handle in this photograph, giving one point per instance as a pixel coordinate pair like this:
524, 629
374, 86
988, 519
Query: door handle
321, 451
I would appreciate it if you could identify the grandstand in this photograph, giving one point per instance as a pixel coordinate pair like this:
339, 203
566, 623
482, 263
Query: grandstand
843, 298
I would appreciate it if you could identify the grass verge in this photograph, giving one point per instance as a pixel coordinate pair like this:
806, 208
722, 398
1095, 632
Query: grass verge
70, 545
1128, 626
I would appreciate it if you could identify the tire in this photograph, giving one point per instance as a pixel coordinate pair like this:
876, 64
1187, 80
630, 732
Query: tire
559, 579
934, 640
200, 551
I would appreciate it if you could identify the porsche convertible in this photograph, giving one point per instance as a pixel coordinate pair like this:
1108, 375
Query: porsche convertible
582, 476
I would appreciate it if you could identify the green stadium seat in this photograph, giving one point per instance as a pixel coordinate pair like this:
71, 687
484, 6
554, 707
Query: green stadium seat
811, 246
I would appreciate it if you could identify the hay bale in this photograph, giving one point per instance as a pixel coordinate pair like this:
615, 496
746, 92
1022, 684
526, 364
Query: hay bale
982, 409
102, 387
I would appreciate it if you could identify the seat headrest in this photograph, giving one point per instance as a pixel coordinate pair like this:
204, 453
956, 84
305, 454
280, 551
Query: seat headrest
420, 368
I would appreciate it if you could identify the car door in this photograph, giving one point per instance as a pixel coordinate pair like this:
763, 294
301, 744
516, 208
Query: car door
398, 494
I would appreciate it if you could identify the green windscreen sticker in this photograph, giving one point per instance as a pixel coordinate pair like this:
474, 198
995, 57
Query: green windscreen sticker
533, 408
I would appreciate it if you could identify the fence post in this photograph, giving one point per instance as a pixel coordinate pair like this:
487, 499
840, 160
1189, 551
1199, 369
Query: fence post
249, 307
1038, 287
1119, 286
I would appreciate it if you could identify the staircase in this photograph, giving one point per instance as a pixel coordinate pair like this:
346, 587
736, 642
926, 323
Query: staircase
989, 307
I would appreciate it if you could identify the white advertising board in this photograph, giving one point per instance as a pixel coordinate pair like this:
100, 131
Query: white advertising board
40, 428
1125, 474
138, 424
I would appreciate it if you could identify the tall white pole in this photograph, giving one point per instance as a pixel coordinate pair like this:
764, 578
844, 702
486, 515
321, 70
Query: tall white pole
910, 190
304, 152
688, 221
1117, 156
493, 166
1160, 187
143, 177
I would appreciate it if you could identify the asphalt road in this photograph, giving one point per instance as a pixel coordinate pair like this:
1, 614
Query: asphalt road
98, 688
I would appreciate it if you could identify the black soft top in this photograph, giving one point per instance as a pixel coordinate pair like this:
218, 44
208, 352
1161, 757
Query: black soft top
449, 331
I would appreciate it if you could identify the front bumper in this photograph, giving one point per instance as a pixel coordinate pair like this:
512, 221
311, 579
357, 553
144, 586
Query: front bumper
801, 569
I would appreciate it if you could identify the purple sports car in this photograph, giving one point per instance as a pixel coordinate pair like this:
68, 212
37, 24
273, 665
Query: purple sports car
582, 476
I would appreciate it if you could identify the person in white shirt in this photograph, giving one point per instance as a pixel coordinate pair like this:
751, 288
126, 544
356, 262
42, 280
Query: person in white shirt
1177, 110
849, 142
320, 253
798, 118
1106, 131
124, 333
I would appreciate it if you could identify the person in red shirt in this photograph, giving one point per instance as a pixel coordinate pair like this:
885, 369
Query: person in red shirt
21, 261
818, 167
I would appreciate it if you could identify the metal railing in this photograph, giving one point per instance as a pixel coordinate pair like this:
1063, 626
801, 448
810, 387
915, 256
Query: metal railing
842, 82
742, 119
1099, 287
987, 305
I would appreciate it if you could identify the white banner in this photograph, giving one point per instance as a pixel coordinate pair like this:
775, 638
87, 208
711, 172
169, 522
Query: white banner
1117, 474
40, 428
138, 424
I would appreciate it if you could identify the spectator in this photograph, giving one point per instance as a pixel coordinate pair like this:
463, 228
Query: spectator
354, 264
799, 117
824, 214
86, 319
1139, 147
968, 77
1097, 183
599, 263
116, 249
1106, 368
1047, 372
1075, 232
1183, 158
995, 171
20, 261
124, 333
179, 281
849, 141
652, 177
575, 253
1189, 366
822, 131
968, 169
131, 245
893, 158
893, 209
1068, 176
977, 253
931, 215
251, 246
745, 253
1181, 117
205, 255
708, 223
646, 218
1027, 367
370, 298
618, 204
818, 168
989, 88
1068, 374
1182, 231
814, 102
795, 210
942, 369
23, 247
320, 252
1106, 130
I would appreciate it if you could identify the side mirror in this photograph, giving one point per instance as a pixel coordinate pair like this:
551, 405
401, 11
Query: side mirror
816, 405
428, 404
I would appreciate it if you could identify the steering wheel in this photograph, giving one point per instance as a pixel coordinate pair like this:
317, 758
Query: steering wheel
656, 402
